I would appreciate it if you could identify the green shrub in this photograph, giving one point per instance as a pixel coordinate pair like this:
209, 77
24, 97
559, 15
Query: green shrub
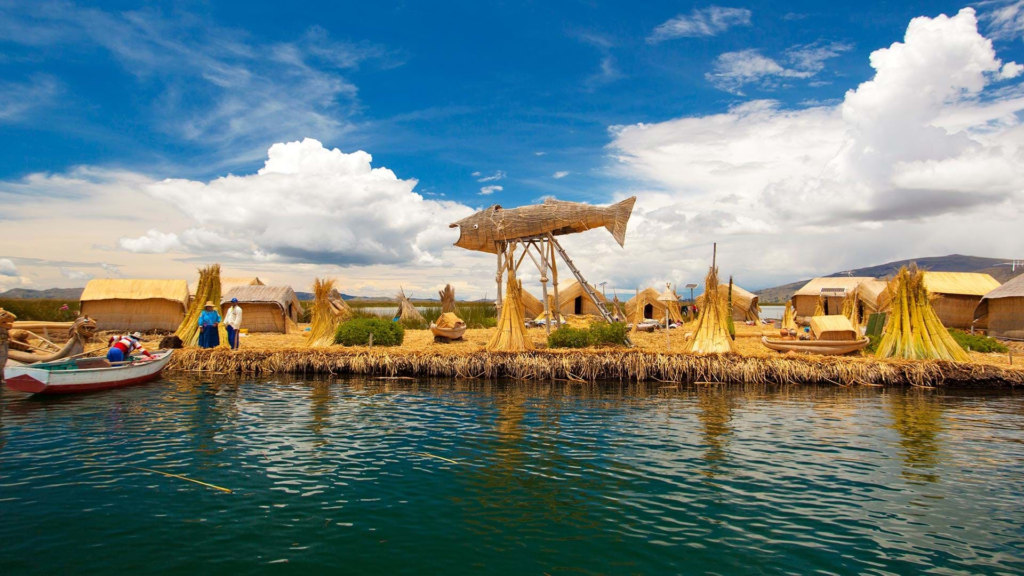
41, 310
977, 343
599, 334
608, 333
569, 337
356, 332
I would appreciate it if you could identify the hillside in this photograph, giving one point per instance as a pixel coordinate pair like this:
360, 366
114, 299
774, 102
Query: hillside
996, 267
48, 294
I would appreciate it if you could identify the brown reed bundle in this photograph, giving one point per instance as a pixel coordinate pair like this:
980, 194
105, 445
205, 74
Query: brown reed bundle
328, 311
208, 290
712, 331
914, 331
447, 299
819, 308
511, 335
850, 308
789, 316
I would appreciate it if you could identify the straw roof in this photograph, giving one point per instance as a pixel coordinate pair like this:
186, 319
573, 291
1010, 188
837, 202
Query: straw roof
744, 303
229, 282
813, 288
123, 289
649, 296
959, 283
280, 295
406, 310
835, 327
875, 293
1012, 289
532, 306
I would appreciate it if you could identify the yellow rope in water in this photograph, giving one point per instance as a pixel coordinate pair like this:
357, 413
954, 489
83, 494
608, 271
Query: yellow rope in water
434, 456
187, 479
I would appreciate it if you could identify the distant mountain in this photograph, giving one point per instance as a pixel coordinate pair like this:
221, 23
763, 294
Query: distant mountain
996, 267
48, 294
308, 296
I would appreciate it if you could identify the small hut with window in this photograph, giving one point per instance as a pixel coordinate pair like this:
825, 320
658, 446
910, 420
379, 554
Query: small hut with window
832, 290
266, 308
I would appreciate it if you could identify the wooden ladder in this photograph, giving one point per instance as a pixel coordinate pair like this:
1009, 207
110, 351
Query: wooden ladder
586, 287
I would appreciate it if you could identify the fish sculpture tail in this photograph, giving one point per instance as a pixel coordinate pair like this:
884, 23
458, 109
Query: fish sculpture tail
618, 218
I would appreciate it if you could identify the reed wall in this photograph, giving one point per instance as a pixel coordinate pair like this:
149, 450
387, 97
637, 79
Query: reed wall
142, 315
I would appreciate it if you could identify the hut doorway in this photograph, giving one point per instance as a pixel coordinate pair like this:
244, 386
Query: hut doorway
649, 311
577, 305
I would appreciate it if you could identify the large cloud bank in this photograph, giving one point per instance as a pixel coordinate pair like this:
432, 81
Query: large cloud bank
927, 156
308, 204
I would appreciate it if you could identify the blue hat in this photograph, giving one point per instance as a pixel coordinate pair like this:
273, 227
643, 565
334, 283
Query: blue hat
234, 300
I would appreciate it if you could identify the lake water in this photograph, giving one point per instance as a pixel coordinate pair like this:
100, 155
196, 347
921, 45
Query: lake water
373, 476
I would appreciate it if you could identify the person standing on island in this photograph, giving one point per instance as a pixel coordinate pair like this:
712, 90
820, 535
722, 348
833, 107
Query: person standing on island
233, 323
209, 320
6, 323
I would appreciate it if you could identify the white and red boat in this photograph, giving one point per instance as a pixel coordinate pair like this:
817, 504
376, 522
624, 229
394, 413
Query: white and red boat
84, 375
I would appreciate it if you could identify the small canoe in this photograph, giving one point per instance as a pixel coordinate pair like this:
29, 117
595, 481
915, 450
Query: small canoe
83, 375
823, 347
449, 333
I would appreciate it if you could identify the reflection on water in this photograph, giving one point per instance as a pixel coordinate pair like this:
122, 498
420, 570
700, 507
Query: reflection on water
454, 476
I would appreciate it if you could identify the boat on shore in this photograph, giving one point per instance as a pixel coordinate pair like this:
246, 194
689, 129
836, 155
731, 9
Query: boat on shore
823, 347
83, 375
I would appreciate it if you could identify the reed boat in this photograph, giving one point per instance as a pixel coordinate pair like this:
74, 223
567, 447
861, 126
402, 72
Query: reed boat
449, 333
824, 347
84, 375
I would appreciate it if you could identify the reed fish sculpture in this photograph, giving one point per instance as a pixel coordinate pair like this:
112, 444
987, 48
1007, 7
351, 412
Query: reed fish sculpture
487, 229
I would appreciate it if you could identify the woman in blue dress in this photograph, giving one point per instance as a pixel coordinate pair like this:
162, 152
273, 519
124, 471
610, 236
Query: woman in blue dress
209, 320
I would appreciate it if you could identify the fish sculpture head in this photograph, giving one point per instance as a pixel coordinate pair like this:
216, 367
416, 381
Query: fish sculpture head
476, 232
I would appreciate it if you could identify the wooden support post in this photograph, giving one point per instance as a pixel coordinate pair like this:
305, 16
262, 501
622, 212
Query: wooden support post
554, 283
497, 278
544, 286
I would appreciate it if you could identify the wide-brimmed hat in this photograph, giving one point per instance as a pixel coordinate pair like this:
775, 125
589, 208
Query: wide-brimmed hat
209, 304
136, 335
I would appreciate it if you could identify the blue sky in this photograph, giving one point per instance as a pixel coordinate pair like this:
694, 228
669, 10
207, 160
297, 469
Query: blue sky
440, 90
477, 103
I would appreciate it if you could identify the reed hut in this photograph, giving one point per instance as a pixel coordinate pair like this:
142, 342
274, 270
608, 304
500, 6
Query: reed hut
831, 290
266, 308
532, 306
745, 307
955, 296
646, 306
1002, 310
573, 300
873, 298
406, 311
143, 305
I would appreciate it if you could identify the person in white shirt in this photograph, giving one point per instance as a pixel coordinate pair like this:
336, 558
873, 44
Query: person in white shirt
233, 323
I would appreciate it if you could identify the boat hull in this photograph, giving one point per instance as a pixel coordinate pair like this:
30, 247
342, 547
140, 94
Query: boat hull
36, 379
823, 347
449, 333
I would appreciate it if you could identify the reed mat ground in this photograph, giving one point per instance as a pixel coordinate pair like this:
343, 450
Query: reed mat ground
648, 361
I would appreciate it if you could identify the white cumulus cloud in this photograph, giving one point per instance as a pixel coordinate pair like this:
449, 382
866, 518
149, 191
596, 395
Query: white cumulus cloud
308, 204
560, 174
488, 190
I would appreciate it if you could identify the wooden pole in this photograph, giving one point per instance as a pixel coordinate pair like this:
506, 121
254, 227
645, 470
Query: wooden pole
554, 283
497, 278
544, 287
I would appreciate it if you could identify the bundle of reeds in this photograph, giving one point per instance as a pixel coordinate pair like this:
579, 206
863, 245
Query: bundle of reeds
328, 311
712, 331
914, 331
447, 299
850, 308
511, 334
819, 309
789, 316
208, 290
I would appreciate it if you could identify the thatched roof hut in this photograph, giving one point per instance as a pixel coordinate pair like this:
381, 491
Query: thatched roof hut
1003, 310
266, 308
745, 305
835, 289
532, 306
143, 305
652, 308
574, 300
873, 297
955, 296
406, 311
